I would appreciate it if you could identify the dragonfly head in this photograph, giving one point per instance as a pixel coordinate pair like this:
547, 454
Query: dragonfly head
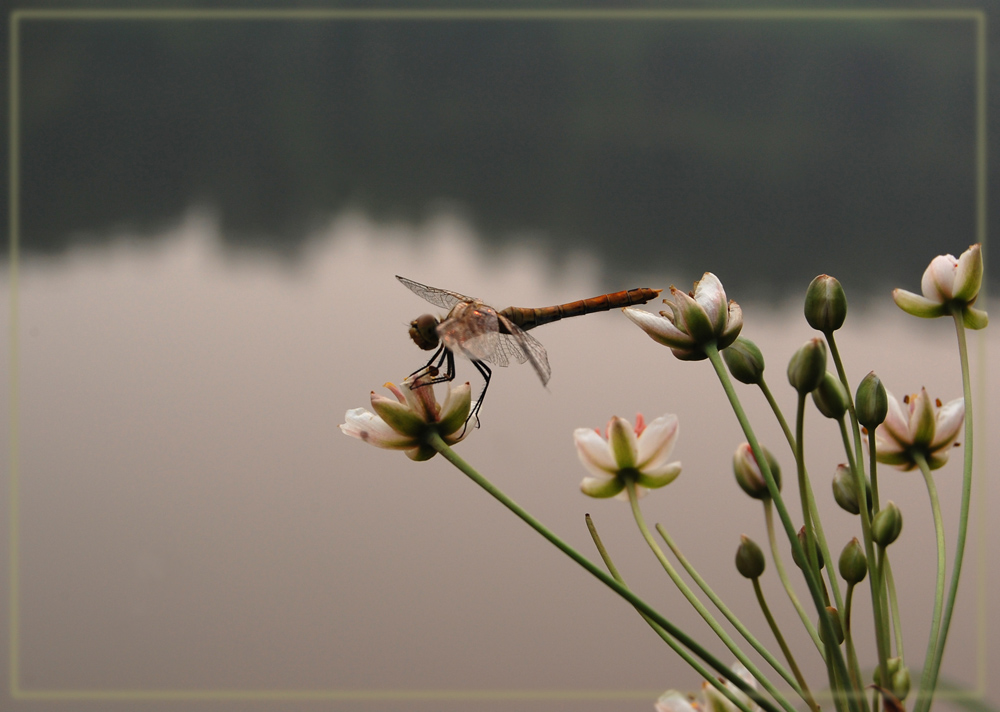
423, 331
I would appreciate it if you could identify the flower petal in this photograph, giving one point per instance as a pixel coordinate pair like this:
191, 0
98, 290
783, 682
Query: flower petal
594, 452
692, 316
659, 328
365, 425
922, 419
733, 327
896, 421
455, 410
622, 441
674, 701
975, 318
918, 306
659, 477
938, 281
949, 421
398, 416
709, 292
969, 274
657, 441
601, 487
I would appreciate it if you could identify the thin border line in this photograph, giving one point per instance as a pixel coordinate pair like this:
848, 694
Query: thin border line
979, 21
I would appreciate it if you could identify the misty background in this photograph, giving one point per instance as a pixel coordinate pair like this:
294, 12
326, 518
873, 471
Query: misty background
211, 213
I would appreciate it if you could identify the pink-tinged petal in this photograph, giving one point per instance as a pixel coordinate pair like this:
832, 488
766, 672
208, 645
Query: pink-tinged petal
949, 421
654, 478
395, 391
938, 282
601, 487
398, 416
896, 421
969, 274
594, 453
659, 328
692, 317
368, 427
657, 441
708, 292
975, 318
918, 306
939, 459
922, 419
734, 326
885, 443
622, 441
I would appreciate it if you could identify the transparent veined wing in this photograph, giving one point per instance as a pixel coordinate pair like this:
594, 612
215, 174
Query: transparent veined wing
521, 347
443, 298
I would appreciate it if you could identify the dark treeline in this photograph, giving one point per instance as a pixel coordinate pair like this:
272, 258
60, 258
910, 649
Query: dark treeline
768, 151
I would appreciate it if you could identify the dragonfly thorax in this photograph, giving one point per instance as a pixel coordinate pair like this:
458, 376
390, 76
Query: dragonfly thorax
423, 331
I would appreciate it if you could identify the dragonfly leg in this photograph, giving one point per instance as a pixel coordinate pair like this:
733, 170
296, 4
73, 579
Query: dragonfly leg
433, 369
487, 373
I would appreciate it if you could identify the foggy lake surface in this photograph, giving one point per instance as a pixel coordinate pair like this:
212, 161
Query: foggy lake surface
191, 518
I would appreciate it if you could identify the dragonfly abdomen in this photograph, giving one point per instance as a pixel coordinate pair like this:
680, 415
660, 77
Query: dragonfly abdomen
529, 318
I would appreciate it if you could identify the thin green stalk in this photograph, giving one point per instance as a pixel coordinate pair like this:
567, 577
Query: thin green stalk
835, 661
897, 628
846, 439
687, 657
963, 517
731, 617
435, 441
633, 499
785, 582
810, 560
877, 594
927, 676
785, 650
852, 655
778, 414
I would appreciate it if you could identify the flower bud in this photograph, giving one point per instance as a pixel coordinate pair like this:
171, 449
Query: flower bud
853, 565
745, 361
838, 628
808, 366
748, 474
749, 559
899, 677
871, 402
830, 397
826, 304
845, 490
802, 541
887, 525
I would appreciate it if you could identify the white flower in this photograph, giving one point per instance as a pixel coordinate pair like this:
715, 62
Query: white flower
947, 283
918, 425
402, 424
694, 320
625, 453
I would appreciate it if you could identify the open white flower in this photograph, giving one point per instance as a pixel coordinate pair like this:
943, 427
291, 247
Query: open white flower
918, 425
402, 424
625, 453
948, 283
694, 319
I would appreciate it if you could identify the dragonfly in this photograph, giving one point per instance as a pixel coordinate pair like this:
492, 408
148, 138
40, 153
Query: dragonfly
484, 335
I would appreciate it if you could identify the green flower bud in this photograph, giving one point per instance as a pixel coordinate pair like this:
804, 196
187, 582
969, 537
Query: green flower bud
808, 366
838, 628
899, 678
745, 361
830, 397
871, 402
826, 304
887, 525
845, 491
853, 565
802, 540
748, 474
749, 559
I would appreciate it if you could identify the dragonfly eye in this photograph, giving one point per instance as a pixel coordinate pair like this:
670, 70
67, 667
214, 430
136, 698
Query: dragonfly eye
423, 331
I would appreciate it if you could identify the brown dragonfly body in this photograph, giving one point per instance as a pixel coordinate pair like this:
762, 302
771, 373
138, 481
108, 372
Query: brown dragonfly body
484, 335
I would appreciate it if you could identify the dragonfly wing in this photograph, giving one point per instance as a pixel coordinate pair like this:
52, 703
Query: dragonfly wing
443, 298
523, 347
472, 330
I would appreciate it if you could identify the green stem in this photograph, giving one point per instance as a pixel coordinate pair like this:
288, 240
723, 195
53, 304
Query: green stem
835, 659
897, 628
687, 657
927, 676
852, 655
805, 693
731, 617
800, 469
435, 441
785, 582
633, 499
778, 414
963, 517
